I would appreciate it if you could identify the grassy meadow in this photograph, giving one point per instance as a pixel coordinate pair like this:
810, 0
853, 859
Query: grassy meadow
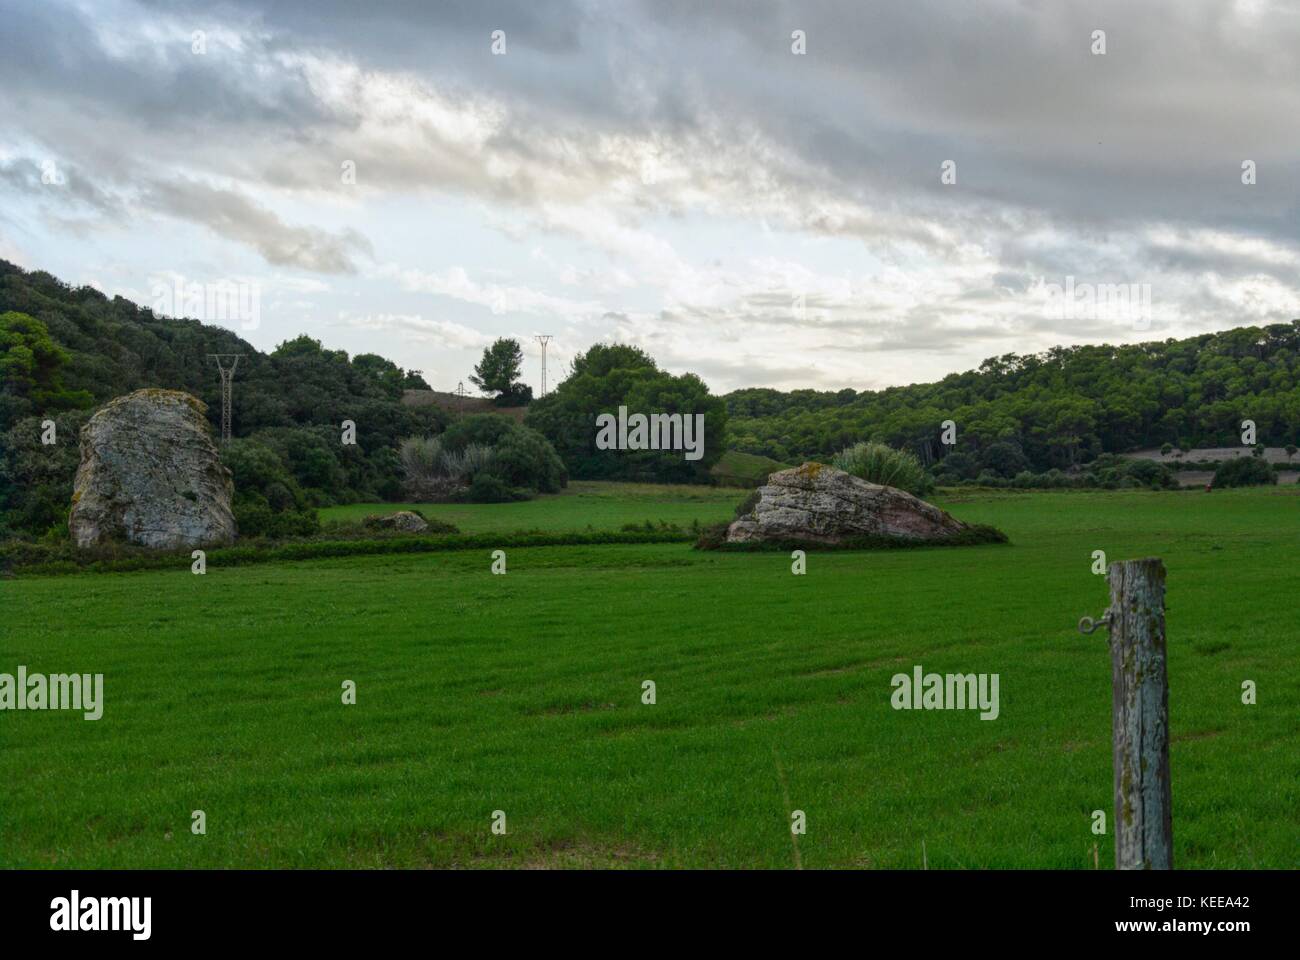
582, 506
522, 693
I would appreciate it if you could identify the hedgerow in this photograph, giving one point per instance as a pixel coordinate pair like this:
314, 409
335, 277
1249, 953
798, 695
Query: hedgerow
26, 559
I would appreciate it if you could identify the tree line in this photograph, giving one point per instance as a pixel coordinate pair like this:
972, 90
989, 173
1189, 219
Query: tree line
1053, 410
65, 350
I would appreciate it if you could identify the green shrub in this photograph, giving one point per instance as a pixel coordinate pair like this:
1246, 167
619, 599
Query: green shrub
712, 537
1150, 473
36, 480
1244, 472
957, 465
483, 429
483, 458
489, 488
268, 501
256, 468
747, 505
58, 531
1004, 458
524, 458
878, 463
651, 526
255, 517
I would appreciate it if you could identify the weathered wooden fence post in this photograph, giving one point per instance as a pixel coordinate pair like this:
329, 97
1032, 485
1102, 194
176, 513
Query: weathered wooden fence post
1140, 715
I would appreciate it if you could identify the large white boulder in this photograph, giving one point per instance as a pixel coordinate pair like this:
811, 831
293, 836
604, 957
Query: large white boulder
821, 504
151, 475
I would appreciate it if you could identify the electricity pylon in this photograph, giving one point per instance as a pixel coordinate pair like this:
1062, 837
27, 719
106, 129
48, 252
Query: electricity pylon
227, 376
543, 339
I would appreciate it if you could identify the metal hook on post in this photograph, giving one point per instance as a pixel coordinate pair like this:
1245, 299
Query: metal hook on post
1088, 625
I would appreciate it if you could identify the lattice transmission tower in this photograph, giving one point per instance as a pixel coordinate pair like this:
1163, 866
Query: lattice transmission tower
227, 377
543, 339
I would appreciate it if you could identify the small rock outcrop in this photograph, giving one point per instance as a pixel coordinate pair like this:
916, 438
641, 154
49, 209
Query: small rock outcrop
403, 521
821, 504
151, 475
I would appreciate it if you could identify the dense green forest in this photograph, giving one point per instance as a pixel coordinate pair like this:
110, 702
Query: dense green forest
65, 350
1053, 410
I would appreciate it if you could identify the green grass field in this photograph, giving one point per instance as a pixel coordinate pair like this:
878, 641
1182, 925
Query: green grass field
581, 506
522, 693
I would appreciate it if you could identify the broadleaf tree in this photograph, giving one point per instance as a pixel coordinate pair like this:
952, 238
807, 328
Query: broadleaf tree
606, 377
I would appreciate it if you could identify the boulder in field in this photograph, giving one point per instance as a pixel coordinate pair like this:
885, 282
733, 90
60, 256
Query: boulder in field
820, 504
151, 475
403, 521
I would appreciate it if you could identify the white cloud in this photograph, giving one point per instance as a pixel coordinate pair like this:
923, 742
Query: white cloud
443, 333
499, 298
662, 175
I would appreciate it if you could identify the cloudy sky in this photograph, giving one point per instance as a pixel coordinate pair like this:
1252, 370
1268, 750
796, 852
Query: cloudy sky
670, 173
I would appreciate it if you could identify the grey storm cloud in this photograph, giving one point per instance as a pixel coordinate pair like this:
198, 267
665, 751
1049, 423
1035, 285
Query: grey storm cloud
73, 200
1008, 90
1117, 168
58, 53
62, 186
239, 218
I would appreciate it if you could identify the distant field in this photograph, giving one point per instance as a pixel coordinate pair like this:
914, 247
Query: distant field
1199, 478
1271, 454
744, 469
582, 505
522, 693
454, 403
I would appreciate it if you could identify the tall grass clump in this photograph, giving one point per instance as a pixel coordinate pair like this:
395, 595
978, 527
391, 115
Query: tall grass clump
464, 465
879, 463
425, 459
483, 458
421, 457
433, 471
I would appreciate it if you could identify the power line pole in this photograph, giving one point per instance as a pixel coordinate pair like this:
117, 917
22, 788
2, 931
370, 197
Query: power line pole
543, 339
227, 377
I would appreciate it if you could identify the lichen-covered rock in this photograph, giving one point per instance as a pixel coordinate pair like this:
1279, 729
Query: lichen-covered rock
821, 504
403, 520
151, 475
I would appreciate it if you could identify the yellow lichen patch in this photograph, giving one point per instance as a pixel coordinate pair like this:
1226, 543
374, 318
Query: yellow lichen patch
160, 393
810, 470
